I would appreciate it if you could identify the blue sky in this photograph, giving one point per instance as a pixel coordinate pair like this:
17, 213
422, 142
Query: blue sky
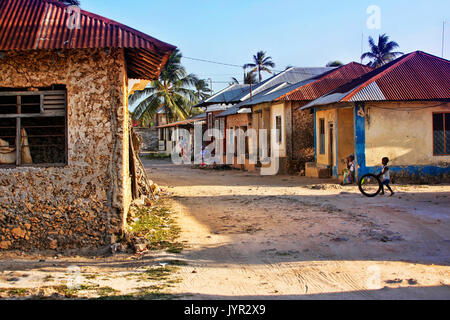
292, 32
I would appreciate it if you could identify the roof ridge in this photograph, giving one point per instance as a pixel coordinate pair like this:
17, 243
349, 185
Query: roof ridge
320, 78
394, 65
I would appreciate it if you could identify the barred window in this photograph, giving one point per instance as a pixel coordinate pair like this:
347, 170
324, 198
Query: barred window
33, 130
441, 133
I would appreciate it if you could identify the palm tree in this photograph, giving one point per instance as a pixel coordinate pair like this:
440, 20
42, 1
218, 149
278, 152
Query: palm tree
260, 63
250, 78
233, 81
382, 52
335, 63
173, 90
202, 89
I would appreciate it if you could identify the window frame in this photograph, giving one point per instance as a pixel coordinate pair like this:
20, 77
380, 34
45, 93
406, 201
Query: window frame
42, 114
447, 152
279, 129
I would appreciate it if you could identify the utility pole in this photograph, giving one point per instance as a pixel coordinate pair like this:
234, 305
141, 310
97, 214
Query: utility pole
210, 83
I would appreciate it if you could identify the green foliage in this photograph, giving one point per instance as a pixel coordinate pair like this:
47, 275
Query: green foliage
335, 63
260, 63
175, 90
381, 53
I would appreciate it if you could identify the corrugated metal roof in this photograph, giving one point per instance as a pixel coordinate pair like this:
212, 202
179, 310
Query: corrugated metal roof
197, 118
290, 75
240, 92
412, 77
44, 24
371, 92
326, 82
231, 94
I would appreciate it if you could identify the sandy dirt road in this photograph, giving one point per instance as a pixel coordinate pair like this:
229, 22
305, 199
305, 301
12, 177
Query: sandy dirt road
253, 237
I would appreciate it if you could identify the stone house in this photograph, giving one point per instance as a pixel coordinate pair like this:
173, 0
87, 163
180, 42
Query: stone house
400, 111
67, 176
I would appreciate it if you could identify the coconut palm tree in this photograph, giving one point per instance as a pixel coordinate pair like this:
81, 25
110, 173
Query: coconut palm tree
260, 63
202, 89
335, 63
233, 81
173, 91
381, 53
250, 78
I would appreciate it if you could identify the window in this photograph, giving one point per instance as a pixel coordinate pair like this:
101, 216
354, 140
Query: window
33, 128
441, 133
322, 136
279, 129
210, 120
161, 133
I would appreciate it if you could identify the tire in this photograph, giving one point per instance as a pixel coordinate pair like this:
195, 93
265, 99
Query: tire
370, 185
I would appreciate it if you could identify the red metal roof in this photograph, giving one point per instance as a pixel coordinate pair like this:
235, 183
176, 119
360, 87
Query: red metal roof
418, 76
43, 24
327, 82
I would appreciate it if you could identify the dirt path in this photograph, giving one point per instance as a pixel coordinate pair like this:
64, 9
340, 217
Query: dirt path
259, 237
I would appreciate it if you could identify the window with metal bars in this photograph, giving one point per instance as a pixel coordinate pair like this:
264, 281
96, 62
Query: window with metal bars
441, 134
33, 129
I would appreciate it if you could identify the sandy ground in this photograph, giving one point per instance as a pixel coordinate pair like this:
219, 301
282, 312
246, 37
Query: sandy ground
286, 237
253, 237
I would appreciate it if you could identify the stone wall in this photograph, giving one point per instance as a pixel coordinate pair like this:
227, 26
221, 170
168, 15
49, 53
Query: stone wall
150, 138
303, 132
84, 203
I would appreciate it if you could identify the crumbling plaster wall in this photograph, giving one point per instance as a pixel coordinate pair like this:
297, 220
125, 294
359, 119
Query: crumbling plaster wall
84, 203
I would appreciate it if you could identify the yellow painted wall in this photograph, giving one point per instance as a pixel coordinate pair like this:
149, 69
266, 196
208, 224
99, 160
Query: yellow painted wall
405, 137
330, 116
277, 109
346, 132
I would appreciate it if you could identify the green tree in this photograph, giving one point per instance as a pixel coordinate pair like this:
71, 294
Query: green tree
233, 81
250, 78
381, 53
173, 90
202, 89
260, 63
335, 63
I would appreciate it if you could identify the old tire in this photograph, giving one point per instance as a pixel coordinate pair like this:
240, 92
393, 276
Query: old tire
370, 185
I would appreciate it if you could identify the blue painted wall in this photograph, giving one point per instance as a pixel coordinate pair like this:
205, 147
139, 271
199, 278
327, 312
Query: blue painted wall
360, 138
414, 172
315, 136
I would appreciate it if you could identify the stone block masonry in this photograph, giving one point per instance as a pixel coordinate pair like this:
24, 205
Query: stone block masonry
84, 203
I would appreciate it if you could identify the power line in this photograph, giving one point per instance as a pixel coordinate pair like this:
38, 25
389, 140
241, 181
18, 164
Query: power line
215, 62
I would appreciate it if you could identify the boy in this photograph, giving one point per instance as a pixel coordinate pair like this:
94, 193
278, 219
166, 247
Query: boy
385, 176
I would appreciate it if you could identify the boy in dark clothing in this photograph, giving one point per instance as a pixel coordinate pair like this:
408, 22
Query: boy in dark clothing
385, 176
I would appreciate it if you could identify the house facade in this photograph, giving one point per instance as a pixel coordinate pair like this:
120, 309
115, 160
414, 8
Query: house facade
65, 167
397, 111
290, 129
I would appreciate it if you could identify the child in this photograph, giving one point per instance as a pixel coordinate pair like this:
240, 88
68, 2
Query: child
385, 176
351, 166
349, 173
